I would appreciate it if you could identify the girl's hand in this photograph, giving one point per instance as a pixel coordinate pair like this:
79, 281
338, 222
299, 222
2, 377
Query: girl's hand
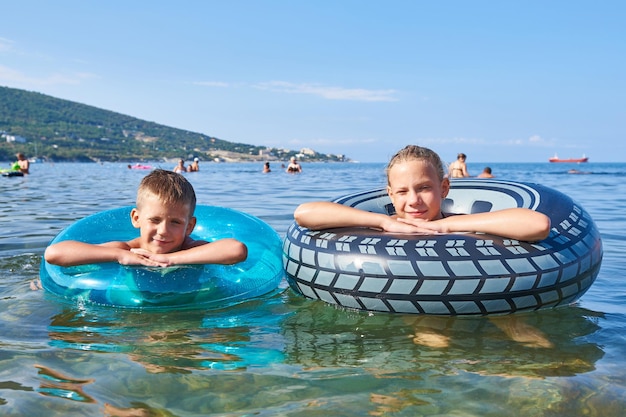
398, 225
424, 226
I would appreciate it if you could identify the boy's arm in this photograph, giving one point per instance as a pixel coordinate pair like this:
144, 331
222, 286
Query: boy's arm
72, 253
224, 251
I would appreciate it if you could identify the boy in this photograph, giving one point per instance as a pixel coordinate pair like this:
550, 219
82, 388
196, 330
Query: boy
164, 216
22, 164
486, 173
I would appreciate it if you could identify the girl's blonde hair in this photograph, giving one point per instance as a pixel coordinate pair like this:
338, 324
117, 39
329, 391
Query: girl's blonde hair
170, 187
414, 152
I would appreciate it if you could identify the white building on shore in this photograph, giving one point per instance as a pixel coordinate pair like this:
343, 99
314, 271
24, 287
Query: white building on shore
14, 138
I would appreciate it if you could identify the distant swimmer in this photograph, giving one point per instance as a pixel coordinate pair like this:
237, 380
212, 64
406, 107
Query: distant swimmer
486, 173
294, 167
266, 168
139, 166
180, 168
458, 169
194, 166
22, 164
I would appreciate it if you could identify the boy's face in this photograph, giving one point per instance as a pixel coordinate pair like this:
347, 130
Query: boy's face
163, 228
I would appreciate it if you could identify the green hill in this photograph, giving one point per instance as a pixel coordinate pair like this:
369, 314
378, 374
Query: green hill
60, 130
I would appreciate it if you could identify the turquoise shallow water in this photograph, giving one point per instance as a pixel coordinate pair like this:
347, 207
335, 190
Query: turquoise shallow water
287, 356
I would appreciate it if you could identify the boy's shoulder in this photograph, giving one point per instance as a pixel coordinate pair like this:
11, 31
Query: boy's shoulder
190, 243
122, 245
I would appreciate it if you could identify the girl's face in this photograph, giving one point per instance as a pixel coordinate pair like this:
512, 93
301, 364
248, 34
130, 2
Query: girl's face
416, 191
163, 227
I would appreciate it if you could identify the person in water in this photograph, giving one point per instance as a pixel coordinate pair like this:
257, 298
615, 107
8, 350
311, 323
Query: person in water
180, 167
417, 187
22, 164
194, 166
164, 216
294, 167
486, 173
266, 168
458, 169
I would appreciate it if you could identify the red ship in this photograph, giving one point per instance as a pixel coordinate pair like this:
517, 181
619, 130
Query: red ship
576, 160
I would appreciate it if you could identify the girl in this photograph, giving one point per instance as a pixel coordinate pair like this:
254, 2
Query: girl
417, 187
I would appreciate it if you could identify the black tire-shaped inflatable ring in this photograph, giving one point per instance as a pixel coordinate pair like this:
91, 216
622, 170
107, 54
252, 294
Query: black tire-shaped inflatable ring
450, 274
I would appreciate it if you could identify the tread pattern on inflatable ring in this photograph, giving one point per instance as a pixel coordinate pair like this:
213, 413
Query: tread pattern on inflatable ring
450, 274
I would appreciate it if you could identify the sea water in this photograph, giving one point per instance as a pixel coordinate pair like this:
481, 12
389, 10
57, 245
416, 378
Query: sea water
281, 354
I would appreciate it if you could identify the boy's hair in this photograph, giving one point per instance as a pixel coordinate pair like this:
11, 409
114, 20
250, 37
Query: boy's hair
170, 187
414, 152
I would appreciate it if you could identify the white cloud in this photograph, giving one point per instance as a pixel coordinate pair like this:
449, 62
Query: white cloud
9, 75
328, 92
5, 44
327, 142
534, 140
212, 84
455, 141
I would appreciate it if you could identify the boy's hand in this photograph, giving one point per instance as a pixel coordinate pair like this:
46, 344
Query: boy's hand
138, 256
155, 259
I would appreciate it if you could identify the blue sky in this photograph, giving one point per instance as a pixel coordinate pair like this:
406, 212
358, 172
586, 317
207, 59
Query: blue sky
502, 81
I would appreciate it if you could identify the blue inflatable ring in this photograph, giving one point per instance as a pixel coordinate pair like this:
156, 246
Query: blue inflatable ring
450, 274
181, 286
